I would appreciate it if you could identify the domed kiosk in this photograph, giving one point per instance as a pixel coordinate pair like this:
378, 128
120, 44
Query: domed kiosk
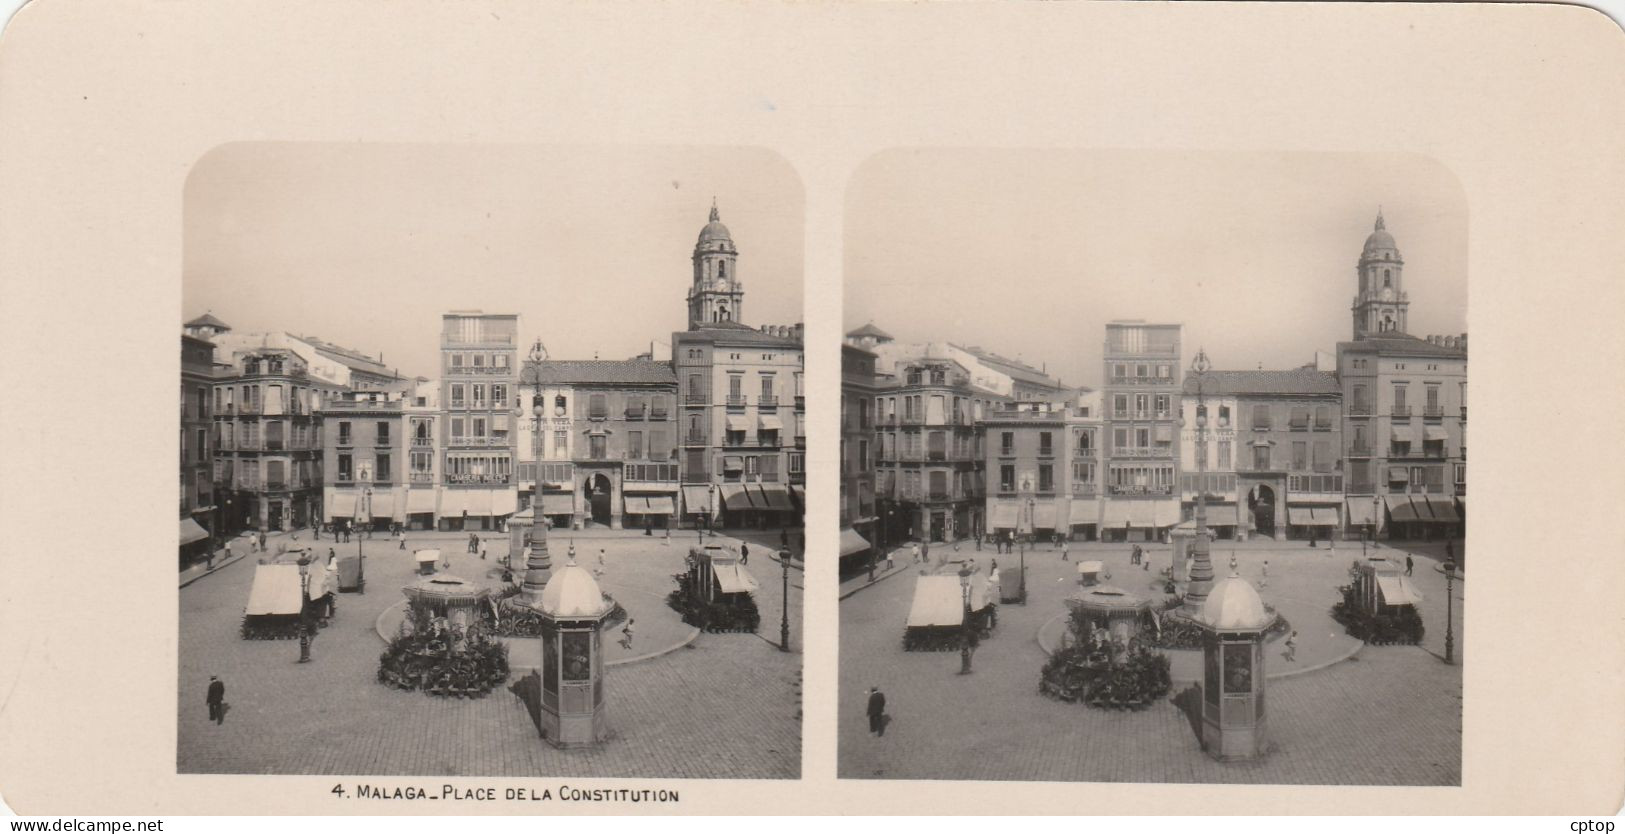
573, 609
1234, 620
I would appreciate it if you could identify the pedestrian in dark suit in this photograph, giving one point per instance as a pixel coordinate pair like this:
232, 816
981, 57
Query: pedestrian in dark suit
877, 711
217, 700
1409, 565
744, 553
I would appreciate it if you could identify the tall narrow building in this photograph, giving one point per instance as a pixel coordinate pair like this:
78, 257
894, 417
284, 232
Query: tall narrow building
1143, 367
479, 375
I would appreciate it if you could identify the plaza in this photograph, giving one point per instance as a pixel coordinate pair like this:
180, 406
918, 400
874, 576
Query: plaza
1341, 713
681, 703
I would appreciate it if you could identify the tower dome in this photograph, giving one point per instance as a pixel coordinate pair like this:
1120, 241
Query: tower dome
1233, 605
1380, 243
573, 593
714, 232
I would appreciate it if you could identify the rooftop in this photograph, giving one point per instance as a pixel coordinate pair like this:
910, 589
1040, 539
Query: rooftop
604, 371
869, 330
1403, 344
1295, 381
735, 333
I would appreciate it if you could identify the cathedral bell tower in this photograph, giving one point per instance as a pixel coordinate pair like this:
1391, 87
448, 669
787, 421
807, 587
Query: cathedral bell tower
1381, 303
716, 295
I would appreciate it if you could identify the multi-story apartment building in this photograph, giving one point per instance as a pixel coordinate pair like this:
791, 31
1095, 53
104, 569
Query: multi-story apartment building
268, 461
1405, 409
1027, 383
1143, 369
931, 470
197, 510
365, 442
858, 514
421, 411
479, 389
1274, 452
1043, 467
606, 432
742, 404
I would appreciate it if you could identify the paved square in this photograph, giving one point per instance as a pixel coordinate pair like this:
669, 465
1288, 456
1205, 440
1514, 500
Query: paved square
725, 706
1388, 715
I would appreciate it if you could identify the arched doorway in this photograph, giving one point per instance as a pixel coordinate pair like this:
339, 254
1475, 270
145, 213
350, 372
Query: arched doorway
1261, 504
597, 492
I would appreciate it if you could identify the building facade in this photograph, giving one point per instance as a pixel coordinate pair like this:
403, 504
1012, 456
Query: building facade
197, 510
1274, 465
605, 442
1043, 467
365, 443
1143, 372
479, 389
858, 511
268, 441
931, 467
742, 404
1405, 410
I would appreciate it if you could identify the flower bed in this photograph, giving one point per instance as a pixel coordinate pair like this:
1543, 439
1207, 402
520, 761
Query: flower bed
428, 655
504, 620
1089, 674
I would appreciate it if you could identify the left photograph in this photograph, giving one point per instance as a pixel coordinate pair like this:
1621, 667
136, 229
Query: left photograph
487, 467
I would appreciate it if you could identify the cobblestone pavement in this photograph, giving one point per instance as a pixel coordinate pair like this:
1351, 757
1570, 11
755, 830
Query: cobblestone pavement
727, 706
1388, 716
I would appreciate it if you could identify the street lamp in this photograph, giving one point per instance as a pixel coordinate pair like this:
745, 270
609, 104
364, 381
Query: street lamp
965, 625
361, 555
1201, 576
784, 614
1449, 612
304, 609
1026, 488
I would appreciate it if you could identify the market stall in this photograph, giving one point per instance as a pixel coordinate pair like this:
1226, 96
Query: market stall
937, 620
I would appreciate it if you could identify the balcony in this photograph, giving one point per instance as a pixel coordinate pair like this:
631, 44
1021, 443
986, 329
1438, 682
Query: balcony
635, 413
939, 496
767, 442
422, 442
1359, 410
801, 403
696, 399
423, 478
1262, 425
657, 413
1433, 412
1401, 411
936, 457
276, 485
1360, 450
1046, 451
346, 440
1464, 413
1298, 424
765, 401
801, 443
1361, 488
274, 446
478, 370
1007, 451
1083, 490
736, 400
479, 441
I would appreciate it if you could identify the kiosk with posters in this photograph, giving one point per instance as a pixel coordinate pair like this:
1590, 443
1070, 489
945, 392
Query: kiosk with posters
1379, 605
715, 593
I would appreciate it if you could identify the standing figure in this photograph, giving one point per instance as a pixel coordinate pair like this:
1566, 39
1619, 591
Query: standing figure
217, 700
744, 553
877, 711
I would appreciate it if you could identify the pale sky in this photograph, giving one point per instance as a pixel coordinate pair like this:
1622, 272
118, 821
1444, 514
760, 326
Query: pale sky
1030, 253
366, 245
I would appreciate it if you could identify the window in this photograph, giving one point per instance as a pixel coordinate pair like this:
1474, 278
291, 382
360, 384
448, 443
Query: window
1007, 477
1045, 447
457, 427
938, 445
863, 455
1162, 405
1399, 397
1164, 372
561, 444
599, 447
1046, 478
1142, 438
479, 395
1224, 454
1323, 417
383, 468
1300, 455
1120, 405
1086, 442
796, 463
1083, 472
736, 383
1362, 402
345, 468
598, 406
1119, 438
696, 392
635, 408
1119, 371
1322, 460
1142, 371
344, 433
1461, 474
479, 360
634, 445
457, 395
658, 450
1300, 417
1142, 404
658, 408
499, 396
1261, 458
479, 426
767, 388
383, 433
1261, 417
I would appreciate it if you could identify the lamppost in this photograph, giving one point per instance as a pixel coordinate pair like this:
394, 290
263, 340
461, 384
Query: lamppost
1201, 576
784, 615
1026, 489
304, 609
361, 555
1449, 612
964, 625
1376, 515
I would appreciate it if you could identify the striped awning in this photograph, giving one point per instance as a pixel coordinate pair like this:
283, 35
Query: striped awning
191, 531
1311, 516
662, 505
1435, 433
852, 542
1402, 510
773, 498
736, 497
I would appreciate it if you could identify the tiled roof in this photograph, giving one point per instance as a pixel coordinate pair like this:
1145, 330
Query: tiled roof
1015, 368
740, 335
603, 371
1404, 344
208, 320
1295, 381
869, 330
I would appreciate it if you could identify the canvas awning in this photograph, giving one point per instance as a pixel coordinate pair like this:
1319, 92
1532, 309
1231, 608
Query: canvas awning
1004, 515
504, 501
770, 422
662, 505
477, 502
191, 531
696, 499
1397, 590
452, 503
1441, 509
773, 498
637, 504
1401, 510
733, 578
1398, 474
277, 589
341, 505
738, 422
733, 463
1400, 434
736, 497
939, 601
1302, 515
419, 501
1167, 512
382, 505
558, 503
430, 555
1435, 433
1361, 512
796, 496
852, 542
1130, 514
1044, 516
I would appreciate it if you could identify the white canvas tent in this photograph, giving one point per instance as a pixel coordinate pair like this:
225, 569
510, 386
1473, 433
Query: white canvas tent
277, 590
939, 601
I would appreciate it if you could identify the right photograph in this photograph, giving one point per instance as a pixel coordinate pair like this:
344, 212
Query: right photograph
1153, 467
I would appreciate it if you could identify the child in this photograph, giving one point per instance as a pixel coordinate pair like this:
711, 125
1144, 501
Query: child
1291, 653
